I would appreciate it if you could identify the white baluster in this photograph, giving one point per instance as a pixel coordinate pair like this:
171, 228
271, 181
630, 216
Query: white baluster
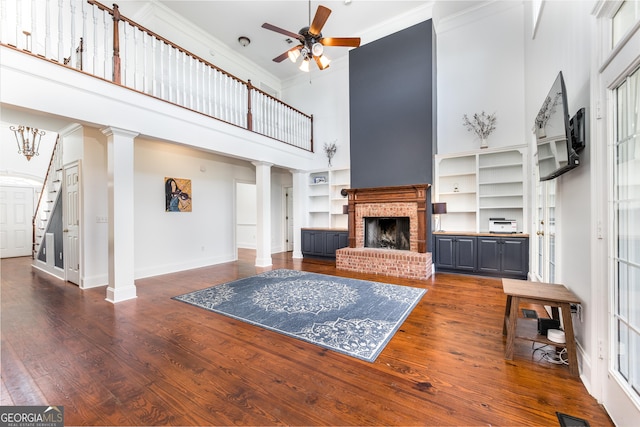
34, 29
83, 11
108, 53
60, 31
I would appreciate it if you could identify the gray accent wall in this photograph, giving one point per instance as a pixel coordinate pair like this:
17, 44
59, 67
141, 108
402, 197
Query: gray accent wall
392, 98
392, 114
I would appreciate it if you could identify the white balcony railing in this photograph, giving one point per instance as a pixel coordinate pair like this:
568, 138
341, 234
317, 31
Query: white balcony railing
88, 36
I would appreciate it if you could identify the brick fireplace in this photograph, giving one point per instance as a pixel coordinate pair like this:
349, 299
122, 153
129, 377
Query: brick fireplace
407, 201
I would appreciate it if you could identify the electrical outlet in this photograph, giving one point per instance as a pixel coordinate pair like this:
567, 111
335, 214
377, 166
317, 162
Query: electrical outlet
580, 313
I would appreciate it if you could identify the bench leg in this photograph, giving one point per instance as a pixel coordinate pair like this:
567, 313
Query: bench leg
511, 327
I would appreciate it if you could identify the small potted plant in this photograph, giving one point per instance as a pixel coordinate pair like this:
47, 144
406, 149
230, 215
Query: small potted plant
546, 111
482, 125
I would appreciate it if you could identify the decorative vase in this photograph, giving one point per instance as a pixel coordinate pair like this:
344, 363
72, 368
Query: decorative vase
483, 143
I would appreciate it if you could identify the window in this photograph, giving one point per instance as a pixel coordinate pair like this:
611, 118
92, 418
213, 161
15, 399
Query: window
624, 19
626, 234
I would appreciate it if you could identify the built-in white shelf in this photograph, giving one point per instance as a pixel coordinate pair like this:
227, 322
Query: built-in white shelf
480, 185
325, 201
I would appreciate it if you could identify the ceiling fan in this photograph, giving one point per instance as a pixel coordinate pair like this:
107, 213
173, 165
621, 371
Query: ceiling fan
311, 41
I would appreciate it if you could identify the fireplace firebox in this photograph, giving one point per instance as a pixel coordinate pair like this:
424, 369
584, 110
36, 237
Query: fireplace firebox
387, 233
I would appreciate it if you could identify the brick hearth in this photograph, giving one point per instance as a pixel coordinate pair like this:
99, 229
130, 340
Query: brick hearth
388, 262
403, 201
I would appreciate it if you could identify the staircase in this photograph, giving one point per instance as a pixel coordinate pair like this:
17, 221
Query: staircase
51, 191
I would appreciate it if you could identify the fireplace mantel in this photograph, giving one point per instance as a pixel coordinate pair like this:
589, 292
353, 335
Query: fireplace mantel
398, 194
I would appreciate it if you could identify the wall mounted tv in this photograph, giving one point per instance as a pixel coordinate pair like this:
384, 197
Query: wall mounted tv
559, 139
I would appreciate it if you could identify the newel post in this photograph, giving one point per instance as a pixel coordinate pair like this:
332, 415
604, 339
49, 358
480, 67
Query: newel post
116, 44
249, 113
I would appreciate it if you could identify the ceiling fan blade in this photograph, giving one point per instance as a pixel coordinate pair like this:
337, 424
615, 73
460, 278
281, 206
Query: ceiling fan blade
322, 14
340, 41
282, 31
286, 54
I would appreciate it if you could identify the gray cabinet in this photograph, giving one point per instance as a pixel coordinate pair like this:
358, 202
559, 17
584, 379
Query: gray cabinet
323, 243
503, 256
483, 254
455, 253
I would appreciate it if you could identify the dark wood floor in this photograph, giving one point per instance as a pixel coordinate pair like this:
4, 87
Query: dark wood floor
156, 361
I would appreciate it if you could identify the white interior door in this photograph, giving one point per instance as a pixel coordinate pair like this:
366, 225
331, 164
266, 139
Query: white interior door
16, 212
545, 225
71, 215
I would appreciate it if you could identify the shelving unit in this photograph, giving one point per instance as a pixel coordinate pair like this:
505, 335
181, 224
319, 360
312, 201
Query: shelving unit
480, 185
324, 199
457, 185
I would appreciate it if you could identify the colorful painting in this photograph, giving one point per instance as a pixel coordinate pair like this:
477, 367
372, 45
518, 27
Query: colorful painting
177, 192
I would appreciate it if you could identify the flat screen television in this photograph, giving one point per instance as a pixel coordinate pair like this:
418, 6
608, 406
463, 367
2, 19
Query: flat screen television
558, 138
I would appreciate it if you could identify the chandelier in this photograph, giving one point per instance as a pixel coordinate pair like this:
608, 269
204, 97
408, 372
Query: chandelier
28, 140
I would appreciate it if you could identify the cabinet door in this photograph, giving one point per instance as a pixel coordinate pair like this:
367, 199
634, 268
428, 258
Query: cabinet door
515, 256
489, 255
445, 255
313, 242
334, 242
318, 243
306, 241
465, 250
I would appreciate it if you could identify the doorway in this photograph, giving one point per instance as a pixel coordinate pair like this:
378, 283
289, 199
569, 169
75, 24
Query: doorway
16, 207
246, 215
288, 218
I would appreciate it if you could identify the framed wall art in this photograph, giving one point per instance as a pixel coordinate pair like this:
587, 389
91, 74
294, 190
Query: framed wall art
177, 192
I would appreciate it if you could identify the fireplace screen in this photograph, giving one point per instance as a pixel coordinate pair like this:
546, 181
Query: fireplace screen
388, 233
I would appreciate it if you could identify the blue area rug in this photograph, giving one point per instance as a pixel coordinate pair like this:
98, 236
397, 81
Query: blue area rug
354, 317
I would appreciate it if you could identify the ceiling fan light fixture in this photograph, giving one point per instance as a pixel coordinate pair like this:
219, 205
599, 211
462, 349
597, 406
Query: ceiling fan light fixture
304, 65
324, 61
244, 41
294, 55
317, 49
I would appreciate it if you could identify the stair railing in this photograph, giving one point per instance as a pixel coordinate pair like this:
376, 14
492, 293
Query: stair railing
36, 240
100, 41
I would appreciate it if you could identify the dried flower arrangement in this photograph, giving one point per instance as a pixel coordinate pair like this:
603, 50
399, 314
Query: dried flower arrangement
482, 125
545, 113
330, 150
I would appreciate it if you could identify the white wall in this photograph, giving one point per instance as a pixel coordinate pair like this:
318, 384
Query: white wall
246, 215
325, 94
563, 42
480, 67
95, 209
170, 241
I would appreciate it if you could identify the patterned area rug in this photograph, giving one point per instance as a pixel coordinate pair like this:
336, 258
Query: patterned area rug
354, 317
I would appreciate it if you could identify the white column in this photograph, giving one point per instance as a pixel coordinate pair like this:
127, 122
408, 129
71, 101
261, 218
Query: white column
120, 170
263, 220
299, 212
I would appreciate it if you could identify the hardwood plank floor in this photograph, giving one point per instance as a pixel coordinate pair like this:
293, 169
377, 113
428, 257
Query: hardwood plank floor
156, 361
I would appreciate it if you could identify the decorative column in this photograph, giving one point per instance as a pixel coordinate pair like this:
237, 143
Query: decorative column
120, 181
263, 218
299, 196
